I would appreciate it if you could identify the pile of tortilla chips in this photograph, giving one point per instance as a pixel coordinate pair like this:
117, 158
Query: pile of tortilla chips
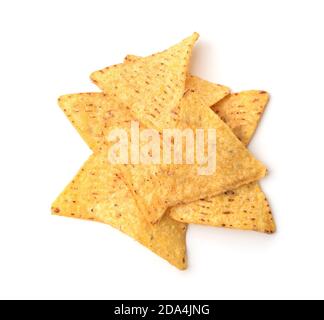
154, 203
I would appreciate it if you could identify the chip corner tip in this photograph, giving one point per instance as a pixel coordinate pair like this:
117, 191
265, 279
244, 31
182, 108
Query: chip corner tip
94, 77
55, 210
60, 100
272, 231
265, 94
274, 228
63, 99
192, 38
196, 35
183, 267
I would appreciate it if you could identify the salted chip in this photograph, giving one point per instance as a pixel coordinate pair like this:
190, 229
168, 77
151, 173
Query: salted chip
97, 193
155, 192
245, 208
242, 112
158, 93
208, 93
91, 113
152, 87
95, 114
158, 188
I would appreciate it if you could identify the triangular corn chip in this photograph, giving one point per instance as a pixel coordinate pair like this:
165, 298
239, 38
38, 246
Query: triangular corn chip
242, 112
152, 87
157, 93
206, 91
93, 111
155, 193
246, 207
93, 115
98, 194
158, 187
209, 93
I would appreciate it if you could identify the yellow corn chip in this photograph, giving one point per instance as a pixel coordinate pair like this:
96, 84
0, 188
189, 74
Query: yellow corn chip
246, 207
95, 114
158, 187
158, 93
242, 112
97, 193
209, 93
152, 87
92, 113
155, 192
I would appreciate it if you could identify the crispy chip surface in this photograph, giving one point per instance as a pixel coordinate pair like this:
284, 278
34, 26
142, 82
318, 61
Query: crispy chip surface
158, 92
242, 112
153, 86
155, 187
207, 96
94, 115
246, 207
97, 193
209, 93
154, 190
160, 187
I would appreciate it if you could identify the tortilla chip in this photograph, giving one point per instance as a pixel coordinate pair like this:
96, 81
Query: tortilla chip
209, 93
98, 194
95, 114
139, 176
247, 207
159, 187
152, 87
242, 112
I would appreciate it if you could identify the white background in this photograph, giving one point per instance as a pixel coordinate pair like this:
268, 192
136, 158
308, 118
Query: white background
49, 48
